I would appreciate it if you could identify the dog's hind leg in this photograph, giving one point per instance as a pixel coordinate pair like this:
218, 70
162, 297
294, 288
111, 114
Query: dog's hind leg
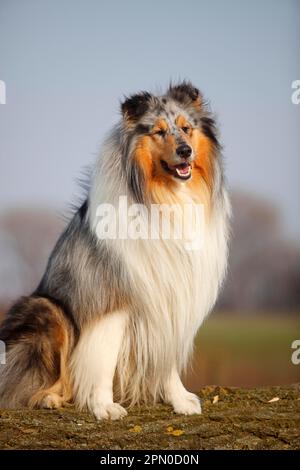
94, 364
60, 392
39, 339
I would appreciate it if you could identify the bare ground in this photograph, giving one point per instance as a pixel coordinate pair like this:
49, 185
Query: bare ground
239, 419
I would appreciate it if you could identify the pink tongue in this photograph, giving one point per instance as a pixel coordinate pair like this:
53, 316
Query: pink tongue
184, 169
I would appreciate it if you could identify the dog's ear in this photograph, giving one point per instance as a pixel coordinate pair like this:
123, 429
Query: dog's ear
135, 106
185, 93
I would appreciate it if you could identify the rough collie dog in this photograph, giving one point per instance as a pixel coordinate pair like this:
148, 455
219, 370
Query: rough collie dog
113, 319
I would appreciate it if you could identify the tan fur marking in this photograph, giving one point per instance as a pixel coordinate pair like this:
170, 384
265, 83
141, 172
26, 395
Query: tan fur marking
204, 154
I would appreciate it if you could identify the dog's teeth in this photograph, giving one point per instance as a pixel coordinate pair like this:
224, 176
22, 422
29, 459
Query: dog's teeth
183, 172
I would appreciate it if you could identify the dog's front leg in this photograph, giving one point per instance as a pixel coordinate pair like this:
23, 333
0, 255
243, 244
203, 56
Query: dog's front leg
183, 402
94, 364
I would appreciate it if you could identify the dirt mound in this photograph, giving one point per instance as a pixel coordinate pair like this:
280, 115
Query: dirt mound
233, 418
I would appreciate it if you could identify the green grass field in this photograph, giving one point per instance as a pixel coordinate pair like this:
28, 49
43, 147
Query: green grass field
248, 350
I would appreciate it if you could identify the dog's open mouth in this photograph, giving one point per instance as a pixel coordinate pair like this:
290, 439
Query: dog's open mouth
182, 171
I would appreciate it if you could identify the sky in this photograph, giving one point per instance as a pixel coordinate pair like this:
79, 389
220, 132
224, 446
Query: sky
67, 64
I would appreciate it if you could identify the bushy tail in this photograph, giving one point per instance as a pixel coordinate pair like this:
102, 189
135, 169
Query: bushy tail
38, 338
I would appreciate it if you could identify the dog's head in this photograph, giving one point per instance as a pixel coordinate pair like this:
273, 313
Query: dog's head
172, 138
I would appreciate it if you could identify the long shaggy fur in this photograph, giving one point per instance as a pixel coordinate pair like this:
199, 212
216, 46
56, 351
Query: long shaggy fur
150, 296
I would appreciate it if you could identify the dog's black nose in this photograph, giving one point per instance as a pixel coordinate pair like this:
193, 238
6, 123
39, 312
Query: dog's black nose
184, 151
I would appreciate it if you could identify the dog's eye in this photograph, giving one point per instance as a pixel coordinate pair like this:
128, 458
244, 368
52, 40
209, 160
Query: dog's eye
185, 129
161, 132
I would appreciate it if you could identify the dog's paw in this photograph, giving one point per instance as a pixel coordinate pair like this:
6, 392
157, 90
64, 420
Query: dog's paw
187, 404
51, 401
111, 411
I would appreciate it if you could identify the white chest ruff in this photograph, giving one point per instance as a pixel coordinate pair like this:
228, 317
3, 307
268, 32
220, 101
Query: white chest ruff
175, 288
172, 289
